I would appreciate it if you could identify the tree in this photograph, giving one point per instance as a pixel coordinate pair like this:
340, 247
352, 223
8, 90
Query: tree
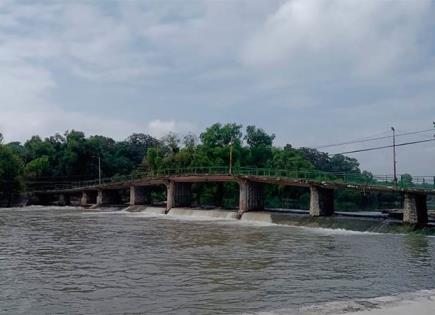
171, 142
219, 135
190, 141
338, 163
137, 146
10, 173
406, 179
37, 167
288, 159
320, 160
36, 147
260, 146
258, 137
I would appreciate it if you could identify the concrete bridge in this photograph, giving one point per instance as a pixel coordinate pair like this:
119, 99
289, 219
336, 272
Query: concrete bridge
178, 183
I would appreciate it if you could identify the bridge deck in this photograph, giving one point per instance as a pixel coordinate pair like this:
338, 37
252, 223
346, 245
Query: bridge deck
202, 178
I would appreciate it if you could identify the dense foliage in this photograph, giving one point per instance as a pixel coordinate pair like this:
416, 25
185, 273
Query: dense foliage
74, 156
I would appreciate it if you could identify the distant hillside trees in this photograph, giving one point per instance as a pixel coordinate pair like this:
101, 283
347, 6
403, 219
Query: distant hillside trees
73, 156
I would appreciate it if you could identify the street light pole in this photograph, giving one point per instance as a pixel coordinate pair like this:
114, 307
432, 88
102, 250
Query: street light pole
231, 157
394, 156
99, 170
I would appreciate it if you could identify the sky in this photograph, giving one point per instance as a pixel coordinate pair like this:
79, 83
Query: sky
313, 72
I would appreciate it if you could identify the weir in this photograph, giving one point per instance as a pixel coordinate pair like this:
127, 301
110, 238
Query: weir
251, 191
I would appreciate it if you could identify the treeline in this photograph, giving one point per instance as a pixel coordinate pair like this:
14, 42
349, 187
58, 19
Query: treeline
73, 156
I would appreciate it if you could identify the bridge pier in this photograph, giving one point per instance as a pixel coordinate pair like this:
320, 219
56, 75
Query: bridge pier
415, 209
140, 195
108, 197
321, 201
88, 197
251, 196
178, 195
64, 200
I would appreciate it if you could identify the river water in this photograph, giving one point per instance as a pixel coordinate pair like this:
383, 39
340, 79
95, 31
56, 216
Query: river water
69, 261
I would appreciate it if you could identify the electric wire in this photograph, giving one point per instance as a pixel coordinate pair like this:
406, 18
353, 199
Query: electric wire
384, 147
372, 139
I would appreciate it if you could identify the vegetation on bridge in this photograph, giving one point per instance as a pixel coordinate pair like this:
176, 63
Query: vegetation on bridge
73, 156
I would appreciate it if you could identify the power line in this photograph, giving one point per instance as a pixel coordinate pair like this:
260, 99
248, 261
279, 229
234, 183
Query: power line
385, 147
372, 139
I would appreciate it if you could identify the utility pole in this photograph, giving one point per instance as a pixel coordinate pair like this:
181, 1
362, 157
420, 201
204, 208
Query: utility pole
231, 156
394, 156
99, 170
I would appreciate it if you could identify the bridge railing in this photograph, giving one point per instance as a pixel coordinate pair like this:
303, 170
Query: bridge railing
417, 182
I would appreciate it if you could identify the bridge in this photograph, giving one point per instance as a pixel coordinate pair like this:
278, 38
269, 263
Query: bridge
251, 181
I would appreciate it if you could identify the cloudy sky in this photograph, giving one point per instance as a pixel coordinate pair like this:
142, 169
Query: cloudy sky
311, 71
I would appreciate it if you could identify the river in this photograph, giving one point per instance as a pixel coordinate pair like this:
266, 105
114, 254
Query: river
69, 261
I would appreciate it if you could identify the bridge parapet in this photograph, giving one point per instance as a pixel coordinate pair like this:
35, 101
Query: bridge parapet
340, 180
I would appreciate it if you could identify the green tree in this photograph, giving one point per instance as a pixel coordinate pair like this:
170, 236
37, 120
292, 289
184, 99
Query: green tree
219, 135
37, 167
10, 173
36, 147
259, 146
406, 179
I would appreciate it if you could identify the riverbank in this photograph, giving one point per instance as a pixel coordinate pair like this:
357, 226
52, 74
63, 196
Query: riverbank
417, 303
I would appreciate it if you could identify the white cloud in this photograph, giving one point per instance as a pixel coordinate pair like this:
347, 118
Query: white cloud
20, 124
309, 70
363, 37
159, 128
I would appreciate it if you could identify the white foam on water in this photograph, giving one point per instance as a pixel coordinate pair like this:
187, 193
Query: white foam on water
262, 218
254, 218
144, 211
38, 208
418, 303
258, 218
202, 215
327, 231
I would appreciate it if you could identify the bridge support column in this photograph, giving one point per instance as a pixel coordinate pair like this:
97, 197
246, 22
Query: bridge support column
88, 197
84, 199
415, 209
63, 200
178, 195
139, 195
321, 201
251, 196
105, 197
